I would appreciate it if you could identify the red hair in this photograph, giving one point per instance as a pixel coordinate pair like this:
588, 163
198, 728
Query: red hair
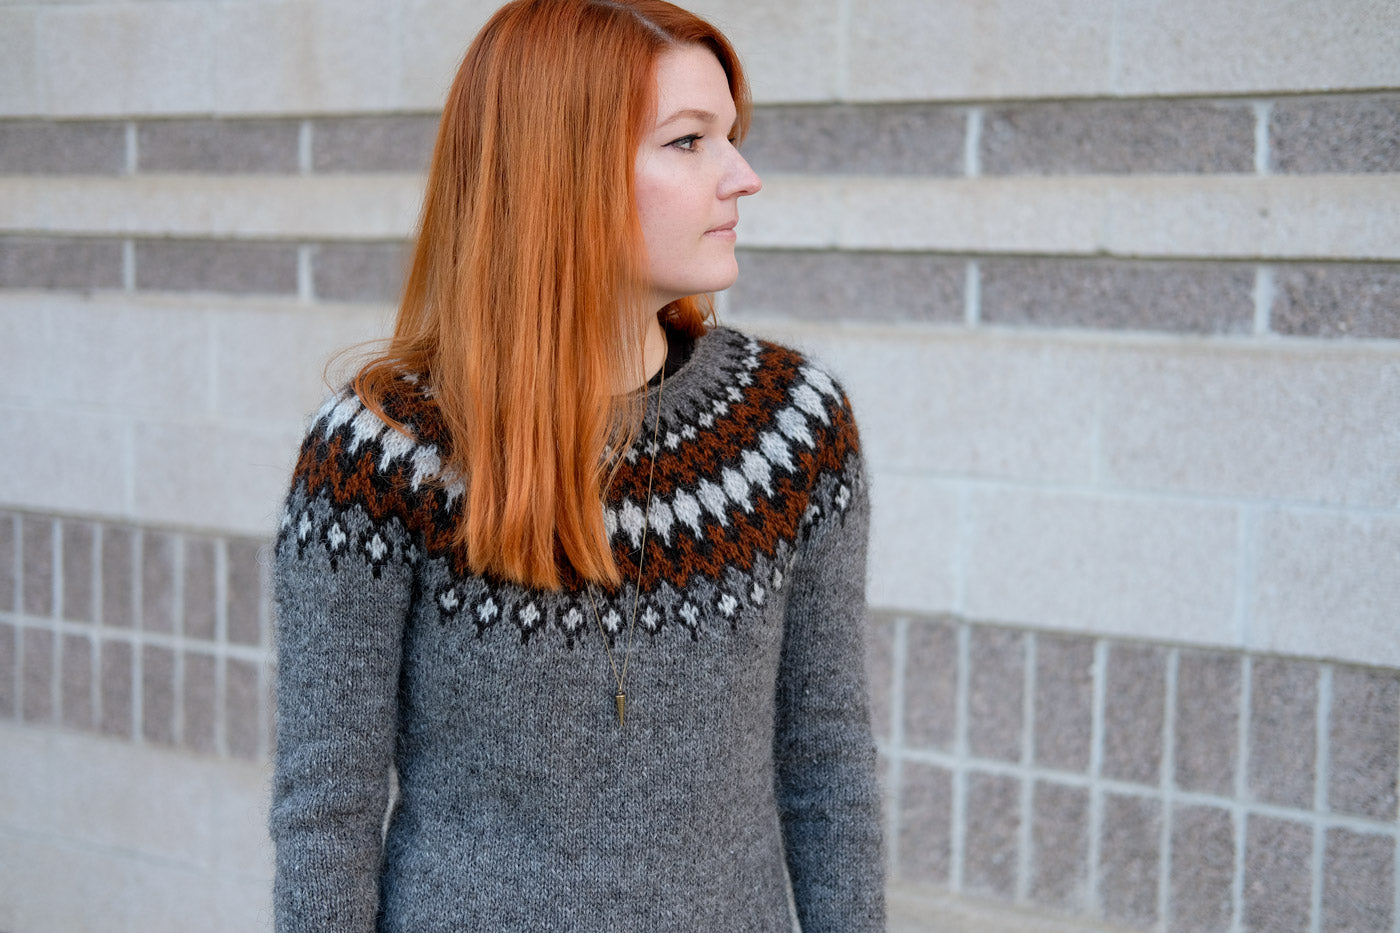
524, 302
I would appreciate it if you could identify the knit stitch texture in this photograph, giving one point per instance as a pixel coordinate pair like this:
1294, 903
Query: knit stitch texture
746, 764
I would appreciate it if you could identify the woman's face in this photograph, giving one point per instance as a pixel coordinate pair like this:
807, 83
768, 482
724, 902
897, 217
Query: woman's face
689, 178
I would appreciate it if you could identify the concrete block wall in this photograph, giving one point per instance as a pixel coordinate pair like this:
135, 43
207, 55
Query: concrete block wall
1114, 287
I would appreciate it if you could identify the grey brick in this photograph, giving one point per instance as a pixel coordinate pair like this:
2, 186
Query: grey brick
1114, 294
36, 659
9, 670
75, 682
930, 684
1202, 869
218, 146
158, 694
996, 686
235, 267
1064, 702
1277, 875
62, 147
1357, 300
1344, 134
1364, 741
9, 562
1283, 731
60, 263
926, 823
201, 712
78, 544
993, 821
1358, 882
1129, 859
37, 571
387, 143
200, 593
1114, 137
1207, 721
159, 562
879, 671
360, 272
824, 285
118, 576
115, 687
243, 714
869, 139
246, 589
1060, 845
1134, 713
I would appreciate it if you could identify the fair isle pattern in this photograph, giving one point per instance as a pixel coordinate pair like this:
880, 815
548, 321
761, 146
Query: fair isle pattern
757, 448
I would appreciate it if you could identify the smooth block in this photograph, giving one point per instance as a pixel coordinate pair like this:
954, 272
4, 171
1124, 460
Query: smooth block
913, 543
789, 52
19, 73
63, 461
1327, 584
1104, 564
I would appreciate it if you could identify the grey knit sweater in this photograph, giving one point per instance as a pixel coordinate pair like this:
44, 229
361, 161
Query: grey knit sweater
746, 762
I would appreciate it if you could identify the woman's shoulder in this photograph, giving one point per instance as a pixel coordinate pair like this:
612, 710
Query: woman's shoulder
787, 376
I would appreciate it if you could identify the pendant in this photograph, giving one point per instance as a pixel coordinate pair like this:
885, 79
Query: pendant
621, 700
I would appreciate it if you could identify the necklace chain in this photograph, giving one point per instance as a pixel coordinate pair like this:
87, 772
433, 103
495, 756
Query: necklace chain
620, 675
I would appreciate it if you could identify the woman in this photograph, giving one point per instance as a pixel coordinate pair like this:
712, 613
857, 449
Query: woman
581, 573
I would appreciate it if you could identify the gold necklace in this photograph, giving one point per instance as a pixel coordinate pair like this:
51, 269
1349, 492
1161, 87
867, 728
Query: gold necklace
620, 676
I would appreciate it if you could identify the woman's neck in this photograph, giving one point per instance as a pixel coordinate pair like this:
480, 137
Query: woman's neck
653, 354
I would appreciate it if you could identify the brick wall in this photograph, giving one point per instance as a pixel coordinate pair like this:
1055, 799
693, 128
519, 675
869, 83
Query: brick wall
1113, 286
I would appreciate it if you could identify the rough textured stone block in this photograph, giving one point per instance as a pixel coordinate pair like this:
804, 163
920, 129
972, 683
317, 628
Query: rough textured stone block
62, 147
158, 694
870, 139
218, 146
201, 708
1342, 300
926, 823
78, 543
75, 682
118, 576
880, 672
116, 684
1358, 882
216, 266
243, 714
1129, 859
36, 675
1108, 137
37, 572
1207, 721
1114, 294
996, 688
1135, 696
1283, 731
990, 845
1277, 875
1064, 702
160, 555
1060, 845
930, 684
1364, 742
9, 562
9, 670
852, 286
246, 590
200, 593
1202, 869
381, 143
362, 272
1343, 134
79, 263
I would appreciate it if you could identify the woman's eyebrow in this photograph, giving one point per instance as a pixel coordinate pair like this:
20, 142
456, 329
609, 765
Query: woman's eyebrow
703, 116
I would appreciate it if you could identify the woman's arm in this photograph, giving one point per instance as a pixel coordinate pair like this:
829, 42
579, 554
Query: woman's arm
827, 788
343, 584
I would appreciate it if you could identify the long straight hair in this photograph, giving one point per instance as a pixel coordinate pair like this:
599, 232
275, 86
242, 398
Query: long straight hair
524, 302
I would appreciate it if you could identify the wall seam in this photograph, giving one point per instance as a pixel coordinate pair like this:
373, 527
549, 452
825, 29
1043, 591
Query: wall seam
957, 848
1096, 728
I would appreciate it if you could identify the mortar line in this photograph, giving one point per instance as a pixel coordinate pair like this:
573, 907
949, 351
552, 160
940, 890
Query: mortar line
895, 818
1095, 773
960, 746
1024, 865
1168, 788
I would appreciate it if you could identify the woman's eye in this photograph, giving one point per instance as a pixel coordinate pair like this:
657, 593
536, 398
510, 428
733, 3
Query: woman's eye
686, 143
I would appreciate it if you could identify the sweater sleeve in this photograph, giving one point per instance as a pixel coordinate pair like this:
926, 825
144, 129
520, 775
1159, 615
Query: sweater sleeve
824, 749
342, 587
